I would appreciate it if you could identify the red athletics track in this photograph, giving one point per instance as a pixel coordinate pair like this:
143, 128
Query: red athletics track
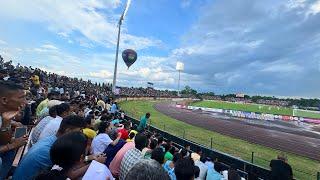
294, 143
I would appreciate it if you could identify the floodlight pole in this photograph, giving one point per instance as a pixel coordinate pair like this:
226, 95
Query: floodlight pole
179, 84
116, 61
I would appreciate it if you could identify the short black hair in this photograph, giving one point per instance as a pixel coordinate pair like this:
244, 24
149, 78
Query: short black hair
103, 126
153, 143
6, 86
53, 111
158, 155
184, 169
140, 141
61, 108
72, 121
65, 152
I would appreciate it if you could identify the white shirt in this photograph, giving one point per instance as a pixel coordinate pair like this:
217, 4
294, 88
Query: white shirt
203, 170
51, 128
100, 143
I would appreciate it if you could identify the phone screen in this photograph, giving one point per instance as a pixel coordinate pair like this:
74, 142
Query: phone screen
20, 131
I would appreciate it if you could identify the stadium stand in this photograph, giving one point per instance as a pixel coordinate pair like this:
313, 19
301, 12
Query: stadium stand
76, 129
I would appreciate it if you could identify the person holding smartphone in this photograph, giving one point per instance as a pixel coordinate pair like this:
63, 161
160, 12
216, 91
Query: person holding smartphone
12, 99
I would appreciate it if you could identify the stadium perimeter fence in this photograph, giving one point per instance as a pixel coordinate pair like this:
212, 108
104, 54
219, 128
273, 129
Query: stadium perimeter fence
181, 137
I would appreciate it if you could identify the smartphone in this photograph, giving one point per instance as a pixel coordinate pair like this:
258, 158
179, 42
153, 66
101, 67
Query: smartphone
20, 131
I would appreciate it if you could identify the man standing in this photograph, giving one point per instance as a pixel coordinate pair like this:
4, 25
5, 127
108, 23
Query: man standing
280, 169
12, 99
143, 122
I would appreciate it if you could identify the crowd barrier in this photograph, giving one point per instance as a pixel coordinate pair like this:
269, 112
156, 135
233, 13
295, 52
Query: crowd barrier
250, 168
253, 115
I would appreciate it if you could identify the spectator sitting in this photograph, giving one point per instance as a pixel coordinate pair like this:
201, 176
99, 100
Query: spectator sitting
132, 134
38, 158
43, 104
89, 132
280, 169
125, 131
233, 174
133, 155
168, 166
184, 169
147, 169
42, 124
202, 167
168, 155
213, 173
65, 153
187, 148
112, 150
158, 155
102, 140
146, 152
196, 155
12, 98
116, 162
197, 173
63, 110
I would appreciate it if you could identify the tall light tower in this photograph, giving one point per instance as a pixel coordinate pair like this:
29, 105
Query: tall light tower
179, 68
117, 51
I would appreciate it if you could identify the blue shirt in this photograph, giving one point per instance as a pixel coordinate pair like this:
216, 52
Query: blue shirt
111, 151
213, 175
113, 108
143, 123
169, 170
36, 160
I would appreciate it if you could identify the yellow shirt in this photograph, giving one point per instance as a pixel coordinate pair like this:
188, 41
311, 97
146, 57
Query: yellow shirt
89, 133
41, 106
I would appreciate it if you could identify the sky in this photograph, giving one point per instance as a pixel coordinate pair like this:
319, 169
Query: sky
227, 46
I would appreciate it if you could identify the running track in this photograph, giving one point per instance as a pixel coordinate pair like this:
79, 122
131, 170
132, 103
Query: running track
301, 145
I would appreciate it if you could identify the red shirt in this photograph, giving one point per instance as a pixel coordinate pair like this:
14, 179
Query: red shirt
124, 133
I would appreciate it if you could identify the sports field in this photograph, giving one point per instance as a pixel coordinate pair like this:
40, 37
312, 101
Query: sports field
256, 108
304, 168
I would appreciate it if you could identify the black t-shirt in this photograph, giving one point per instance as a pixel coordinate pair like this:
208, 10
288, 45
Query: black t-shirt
280, 170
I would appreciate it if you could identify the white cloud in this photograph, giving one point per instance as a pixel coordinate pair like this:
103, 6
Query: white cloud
2, 42
315, 8
280, 67
101, 74
49, 47
94, 19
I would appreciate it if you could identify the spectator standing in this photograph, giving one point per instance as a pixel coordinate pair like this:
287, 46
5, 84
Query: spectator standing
143, 122
280, 169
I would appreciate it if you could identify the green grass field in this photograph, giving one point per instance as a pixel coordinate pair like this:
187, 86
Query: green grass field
304, 168
256, 108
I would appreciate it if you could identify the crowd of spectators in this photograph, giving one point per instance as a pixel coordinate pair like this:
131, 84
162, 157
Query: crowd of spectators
77, 131
73, 141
